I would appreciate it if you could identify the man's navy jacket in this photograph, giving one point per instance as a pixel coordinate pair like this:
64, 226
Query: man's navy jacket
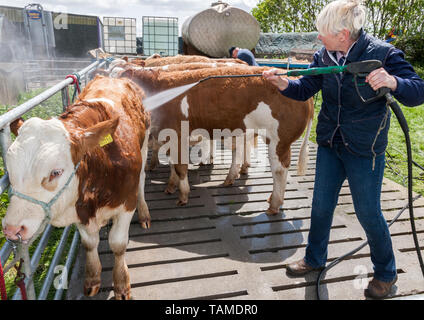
247, 56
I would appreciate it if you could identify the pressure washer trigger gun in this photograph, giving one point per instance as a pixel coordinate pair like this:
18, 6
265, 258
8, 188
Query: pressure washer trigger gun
362, 69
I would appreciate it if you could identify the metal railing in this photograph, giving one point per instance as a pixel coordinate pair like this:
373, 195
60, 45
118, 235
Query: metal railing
31, 263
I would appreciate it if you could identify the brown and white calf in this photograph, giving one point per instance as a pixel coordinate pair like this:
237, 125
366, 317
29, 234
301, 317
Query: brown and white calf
193, 66
230, 103
153, 146
174, 63
108, 184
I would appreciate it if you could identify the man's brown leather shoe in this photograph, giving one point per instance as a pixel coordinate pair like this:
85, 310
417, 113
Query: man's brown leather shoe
300, 268
379, 289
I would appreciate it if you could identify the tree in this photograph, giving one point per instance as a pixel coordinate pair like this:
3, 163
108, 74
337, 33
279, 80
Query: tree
299, 15
288, 15
381, 16
405, 15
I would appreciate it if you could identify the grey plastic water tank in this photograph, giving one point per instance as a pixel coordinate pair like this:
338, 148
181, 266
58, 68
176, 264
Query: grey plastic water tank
213, 31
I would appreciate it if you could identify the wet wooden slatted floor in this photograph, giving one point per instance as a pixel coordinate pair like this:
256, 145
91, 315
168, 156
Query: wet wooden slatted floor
223, 246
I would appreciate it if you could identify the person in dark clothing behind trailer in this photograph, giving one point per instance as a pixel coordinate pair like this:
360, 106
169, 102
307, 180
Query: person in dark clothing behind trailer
243, 54
351, 135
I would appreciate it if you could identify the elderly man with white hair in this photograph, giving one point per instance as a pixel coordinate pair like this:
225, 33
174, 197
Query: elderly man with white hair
351, 134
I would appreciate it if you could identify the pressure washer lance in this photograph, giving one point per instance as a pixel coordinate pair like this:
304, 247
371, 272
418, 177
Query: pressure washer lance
362, 69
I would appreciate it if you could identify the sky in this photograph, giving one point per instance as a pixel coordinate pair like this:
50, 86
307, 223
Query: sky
182, 9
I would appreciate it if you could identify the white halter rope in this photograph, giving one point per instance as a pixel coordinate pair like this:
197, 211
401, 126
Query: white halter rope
45, 205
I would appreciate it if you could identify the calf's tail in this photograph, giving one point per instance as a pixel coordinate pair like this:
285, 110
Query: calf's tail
304, 151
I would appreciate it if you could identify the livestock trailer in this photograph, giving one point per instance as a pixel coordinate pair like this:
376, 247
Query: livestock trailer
49, 34
76, 34
13, 43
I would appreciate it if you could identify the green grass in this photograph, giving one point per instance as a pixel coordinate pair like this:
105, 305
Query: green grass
397, 148
419, 69
49, 108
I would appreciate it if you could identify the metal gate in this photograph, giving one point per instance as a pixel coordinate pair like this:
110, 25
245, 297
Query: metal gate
32, 261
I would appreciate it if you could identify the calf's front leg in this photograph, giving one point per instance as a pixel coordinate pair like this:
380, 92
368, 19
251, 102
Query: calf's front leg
181, 171
93, 268
173, 181
118, 240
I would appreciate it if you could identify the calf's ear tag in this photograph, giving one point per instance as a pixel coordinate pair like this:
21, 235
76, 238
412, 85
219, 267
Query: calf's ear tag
106, 140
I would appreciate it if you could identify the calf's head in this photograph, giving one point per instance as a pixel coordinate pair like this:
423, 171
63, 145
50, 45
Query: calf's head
40, 162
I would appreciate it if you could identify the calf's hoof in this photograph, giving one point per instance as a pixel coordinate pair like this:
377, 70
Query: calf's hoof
123, 294
181, 203
145, 224
91, 290
244, 169
170, 189
228, 182
272, 211
143, 214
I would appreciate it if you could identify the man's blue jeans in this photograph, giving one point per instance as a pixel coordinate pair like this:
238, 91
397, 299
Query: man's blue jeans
333, 166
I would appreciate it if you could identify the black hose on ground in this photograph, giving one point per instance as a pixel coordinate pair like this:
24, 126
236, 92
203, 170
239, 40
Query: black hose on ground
404, 125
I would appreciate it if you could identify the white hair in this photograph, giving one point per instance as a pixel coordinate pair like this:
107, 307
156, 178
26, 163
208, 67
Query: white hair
342, 14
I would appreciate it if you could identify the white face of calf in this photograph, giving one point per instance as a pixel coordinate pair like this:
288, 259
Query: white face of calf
39, 163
